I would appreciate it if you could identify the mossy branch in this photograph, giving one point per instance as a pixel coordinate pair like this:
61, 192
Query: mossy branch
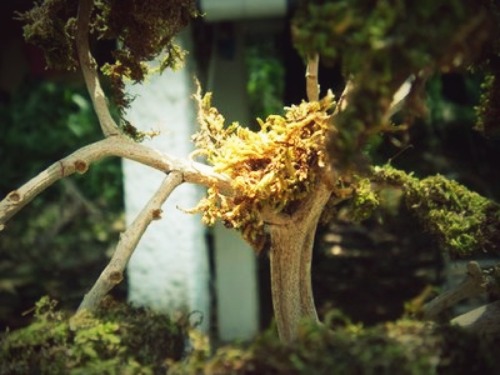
462, 221
282, 181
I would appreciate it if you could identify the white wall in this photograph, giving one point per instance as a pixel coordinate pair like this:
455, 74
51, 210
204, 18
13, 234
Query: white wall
169, 269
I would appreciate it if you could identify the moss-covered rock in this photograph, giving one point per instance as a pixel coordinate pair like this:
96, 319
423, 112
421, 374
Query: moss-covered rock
119, 339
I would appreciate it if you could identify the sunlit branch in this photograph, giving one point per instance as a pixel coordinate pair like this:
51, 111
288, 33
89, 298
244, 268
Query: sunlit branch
312, 86
88, 67
113, 273
80, 160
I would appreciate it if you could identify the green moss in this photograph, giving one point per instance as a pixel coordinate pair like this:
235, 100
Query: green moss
378, 46
364, 200
144, 30
124, 340
405, 347
117, 340
488, 112
463, 221
50, 25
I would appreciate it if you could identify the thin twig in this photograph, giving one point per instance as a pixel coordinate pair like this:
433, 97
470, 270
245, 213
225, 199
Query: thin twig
88, 66
113, 273
399, 97
312, 86
72, 190
80, 160
344, 97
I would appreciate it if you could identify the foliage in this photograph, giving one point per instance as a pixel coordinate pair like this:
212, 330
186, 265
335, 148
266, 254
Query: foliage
379, 45
363, 201
404, 347
487, 111
49, 28
265, 82
119, 339
49, 120
59, 242
143, 30
444, 141
269, 169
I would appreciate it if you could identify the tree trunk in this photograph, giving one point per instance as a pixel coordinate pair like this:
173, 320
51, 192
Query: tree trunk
292, 243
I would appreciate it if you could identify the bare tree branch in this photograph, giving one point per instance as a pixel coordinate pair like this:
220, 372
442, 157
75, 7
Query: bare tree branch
344, 98
399, 97
312, 86
397, 100
80, 160
113, 273
88, 66
475, 283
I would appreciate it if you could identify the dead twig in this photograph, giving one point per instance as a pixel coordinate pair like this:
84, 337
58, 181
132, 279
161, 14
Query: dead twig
113, 273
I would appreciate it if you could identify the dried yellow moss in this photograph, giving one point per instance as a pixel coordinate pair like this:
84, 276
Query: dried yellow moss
270, 169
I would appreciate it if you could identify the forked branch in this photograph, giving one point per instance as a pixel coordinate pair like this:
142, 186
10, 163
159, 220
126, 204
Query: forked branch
80, 160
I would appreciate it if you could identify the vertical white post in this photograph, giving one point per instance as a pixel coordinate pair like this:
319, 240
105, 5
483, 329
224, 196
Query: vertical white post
169, 269
235, 262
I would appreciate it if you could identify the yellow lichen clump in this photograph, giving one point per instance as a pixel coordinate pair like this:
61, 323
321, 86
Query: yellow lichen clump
270, 170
